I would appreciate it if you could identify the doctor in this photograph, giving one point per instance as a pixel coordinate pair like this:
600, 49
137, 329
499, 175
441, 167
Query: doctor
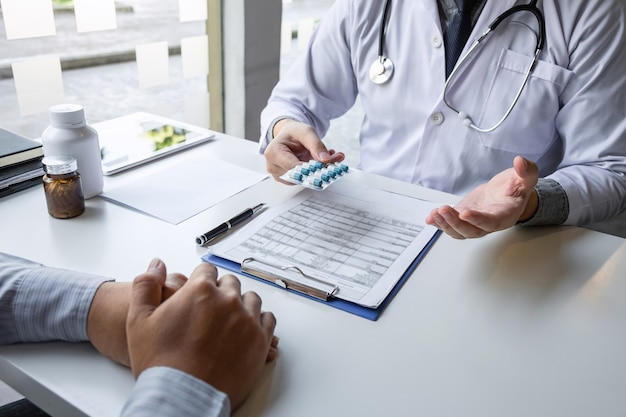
524, 141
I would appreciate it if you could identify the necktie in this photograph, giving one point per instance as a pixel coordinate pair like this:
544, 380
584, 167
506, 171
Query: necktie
457, 33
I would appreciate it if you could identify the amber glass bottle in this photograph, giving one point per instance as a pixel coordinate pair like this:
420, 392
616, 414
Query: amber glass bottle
63, 187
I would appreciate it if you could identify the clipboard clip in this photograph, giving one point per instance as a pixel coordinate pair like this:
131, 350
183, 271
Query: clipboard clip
278, 275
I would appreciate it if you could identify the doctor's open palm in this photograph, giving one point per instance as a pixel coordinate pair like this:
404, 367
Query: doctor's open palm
507, 198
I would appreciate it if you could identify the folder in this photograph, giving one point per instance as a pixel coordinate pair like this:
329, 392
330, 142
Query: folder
351, 247
353, 308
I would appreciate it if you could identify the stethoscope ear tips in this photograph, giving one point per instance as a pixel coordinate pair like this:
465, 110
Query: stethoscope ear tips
381, 70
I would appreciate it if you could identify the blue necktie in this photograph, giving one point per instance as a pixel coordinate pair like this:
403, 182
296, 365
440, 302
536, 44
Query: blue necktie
457, 33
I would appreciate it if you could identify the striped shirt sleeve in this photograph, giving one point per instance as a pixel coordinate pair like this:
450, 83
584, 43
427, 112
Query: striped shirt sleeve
168, 392
39, 303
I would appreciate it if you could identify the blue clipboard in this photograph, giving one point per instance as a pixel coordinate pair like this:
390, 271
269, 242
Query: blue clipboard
365, 312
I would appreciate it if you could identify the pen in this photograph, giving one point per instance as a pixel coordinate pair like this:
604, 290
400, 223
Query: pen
228, 224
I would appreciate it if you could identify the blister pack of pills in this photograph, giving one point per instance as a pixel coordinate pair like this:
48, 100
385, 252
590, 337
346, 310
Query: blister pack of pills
316, 175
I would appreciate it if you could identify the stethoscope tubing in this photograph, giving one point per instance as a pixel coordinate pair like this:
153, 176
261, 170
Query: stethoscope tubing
467, 121
382, 68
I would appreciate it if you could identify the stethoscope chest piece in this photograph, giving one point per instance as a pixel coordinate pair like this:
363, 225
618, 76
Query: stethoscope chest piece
381, 70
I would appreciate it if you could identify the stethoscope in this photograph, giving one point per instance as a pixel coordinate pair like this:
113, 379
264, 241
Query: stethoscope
382, 69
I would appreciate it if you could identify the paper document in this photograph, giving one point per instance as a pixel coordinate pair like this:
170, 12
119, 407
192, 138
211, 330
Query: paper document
357, 241
176, 193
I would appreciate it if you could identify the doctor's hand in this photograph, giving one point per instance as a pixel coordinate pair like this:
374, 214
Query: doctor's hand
294, 143
507, 198
207, 329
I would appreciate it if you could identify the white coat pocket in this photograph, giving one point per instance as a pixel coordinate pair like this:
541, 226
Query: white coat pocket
530, 129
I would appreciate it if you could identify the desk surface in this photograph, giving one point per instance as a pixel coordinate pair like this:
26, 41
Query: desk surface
526, 322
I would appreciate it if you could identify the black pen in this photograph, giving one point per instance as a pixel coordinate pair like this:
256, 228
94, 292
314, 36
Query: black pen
222, 228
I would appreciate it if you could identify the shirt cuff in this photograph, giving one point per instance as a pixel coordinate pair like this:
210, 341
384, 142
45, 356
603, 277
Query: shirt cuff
269, 134
50, 303
165, 392
553, 208
270, 130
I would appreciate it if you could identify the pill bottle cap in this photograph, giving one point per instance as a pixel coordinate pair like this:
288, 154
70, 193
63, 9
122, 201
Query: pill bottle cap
67, 115
59, 164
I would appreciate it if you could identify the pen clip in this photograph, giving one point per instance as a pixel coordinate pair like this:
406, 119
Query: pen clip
315, 287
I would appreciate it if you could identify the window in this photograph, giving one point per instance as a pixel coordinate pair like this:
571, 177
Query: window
153, 58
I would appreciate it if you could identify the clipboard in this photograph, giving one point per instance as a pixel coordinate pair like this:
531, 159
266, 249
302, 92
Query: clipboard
312, 292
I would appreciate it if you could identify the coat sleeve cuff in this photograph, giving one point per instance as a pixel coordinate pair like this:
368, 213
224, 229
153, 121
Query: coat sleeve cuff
553, 206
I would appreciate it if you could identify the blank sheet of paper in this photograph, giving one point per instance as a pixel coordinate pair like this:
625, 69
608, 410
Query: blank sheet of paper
285, 37
178, 192
152, 64
28, 19
192, 10
305, 31
198, 109
195, 56
38, 83
94, 15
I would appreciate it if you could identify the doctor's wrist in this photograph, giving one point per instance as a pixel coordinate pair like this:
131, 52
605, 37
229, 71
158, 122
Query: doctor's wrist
531, 207
276, 125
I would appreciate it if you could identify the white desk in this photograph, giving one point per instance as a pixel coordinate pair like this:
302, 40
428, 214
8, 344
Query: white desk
527, 322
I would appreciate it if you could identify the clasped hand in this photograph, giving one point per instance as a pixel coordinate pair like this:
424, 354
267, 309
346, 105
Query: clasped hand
202, 325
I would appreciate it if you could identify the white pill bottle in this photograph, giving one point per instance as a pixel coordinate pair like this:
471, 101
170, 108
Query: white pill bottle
69, 134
